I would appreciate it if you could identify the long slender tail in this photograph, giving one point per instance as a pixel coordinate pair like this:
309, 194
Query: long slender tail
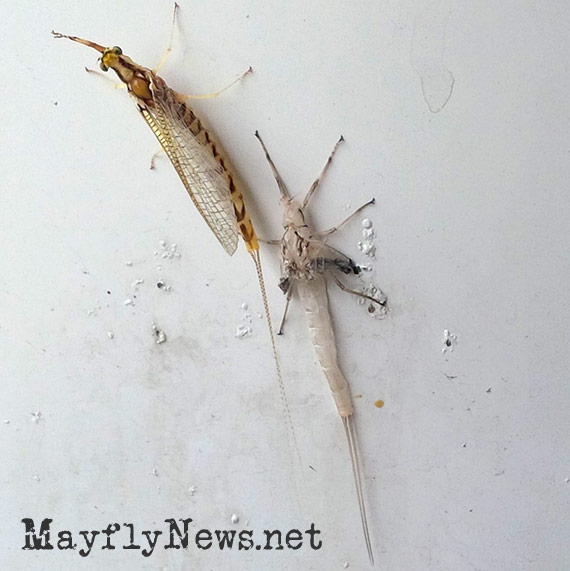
282, 392
350, 431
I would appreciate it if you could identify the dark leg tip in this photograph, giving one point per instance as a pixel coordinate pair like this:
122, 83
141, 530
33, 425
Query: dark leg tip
354, 267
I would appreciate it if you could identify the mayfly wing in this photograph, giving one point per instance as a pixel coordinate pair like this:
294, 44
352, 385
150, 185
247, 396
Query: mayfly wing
186, 143
205, 178
211, 186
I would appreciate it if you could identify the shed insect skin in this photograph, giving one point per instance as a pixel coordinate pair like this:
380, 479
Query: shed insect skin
199, 163
305, 259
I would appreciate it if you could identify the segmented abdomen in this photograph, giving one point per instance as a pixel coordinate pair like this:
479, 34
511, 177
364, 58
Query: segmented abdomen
313, 294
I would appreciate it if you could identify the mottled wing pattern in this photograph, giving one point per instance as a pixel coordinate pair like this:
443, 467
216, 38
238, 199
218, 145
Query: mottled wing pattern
202, 175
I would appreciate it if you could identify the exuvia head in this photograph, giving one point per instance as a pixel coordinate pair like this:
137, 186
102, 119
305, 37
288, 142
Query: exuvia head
293, 214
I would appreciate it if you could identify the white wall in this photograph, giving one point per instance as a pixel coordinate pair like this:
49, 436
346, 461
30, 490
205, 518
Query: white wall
456, 120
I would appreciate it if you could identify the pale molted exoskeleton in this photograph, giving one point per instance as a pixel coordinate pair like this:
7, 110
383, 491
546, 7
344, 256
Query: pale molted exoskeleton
305, 260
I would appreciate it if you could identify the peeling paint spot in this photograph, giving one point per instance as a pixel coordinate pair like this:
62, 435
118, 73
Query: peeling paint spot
243, 331
159, 334
161, 284
167, 251
36, 417
378, 308
234, 518
367, 245
449, 341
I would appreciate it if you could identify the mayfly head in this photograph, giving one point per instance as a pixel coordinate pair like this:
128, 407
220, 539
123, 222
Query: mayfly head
110, 58
126, 69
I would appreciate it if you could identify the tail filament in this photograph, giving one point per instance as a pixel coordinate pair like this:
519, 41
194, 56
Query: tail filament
350, 431
282, 392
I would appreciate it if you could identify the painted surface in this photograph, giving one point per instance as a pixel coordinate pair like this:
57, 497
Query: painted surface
137, 376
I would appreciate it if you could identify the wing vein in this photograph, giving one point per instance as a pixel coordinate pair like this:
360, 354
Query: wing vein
202, 175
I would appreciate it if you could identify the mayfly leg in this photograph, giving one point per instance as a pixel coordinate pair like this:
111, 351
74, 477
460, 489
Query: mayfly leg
153, 159
334, 229
216, 93
287, 301
168, 50
318, 180
280, 182
358, 293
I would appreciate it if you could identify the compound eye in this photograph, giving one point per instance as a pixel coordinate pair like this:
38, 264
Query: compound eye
117, 50
103, 66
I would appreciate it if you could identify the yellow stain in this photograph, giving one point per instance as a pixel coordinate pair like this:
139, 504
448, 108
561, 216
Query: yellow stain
379, 403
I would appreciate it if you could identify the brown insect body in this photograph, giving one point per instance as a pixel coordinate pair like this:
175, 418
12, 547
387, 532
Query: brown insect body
147, 88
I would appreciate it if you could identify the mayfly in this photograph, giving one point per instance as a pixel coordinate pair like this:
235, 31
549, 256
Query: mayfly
197, 158
305, 258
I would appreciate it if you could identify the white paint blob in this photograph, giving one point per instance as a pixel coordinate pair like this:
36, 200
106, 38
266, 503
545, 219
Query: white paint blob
160, 336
